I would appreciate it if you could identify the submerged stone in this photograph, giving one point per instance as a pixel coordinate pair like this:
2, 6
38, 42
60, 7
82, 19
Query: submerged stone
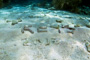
56, 26
88, 25
77, 25
19, 20
87, 46
43, 27
41, 30
14, 22
59, 21
8, 21
26, 28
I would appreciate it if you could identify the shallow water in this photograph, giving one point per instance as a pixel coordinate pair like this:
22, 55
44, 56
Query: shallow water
34, 33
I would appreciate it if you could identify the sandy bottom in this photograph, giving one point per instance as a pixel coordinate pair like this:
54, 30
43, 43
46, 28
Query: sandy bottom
41, 34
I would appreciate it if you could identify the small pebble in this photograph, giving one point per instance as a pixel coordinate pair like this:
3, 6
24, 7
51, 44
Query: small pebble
43, 27
59, 31
41, 30
59, 21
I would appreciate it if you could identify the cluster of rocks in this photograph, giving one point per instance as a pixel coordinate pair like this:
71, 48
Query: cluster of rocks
13, 22
27, 28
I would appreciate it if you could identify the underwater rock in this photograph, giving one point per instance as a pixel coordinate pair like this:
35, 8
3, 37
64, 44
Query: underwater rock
43, 27
88, 46
56, 26
41, 30
71, 26
19, 20
89, 20
59, 21
65, 26
8, 21
14, 22
70, 5
77, 25
88, 25
26, 28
